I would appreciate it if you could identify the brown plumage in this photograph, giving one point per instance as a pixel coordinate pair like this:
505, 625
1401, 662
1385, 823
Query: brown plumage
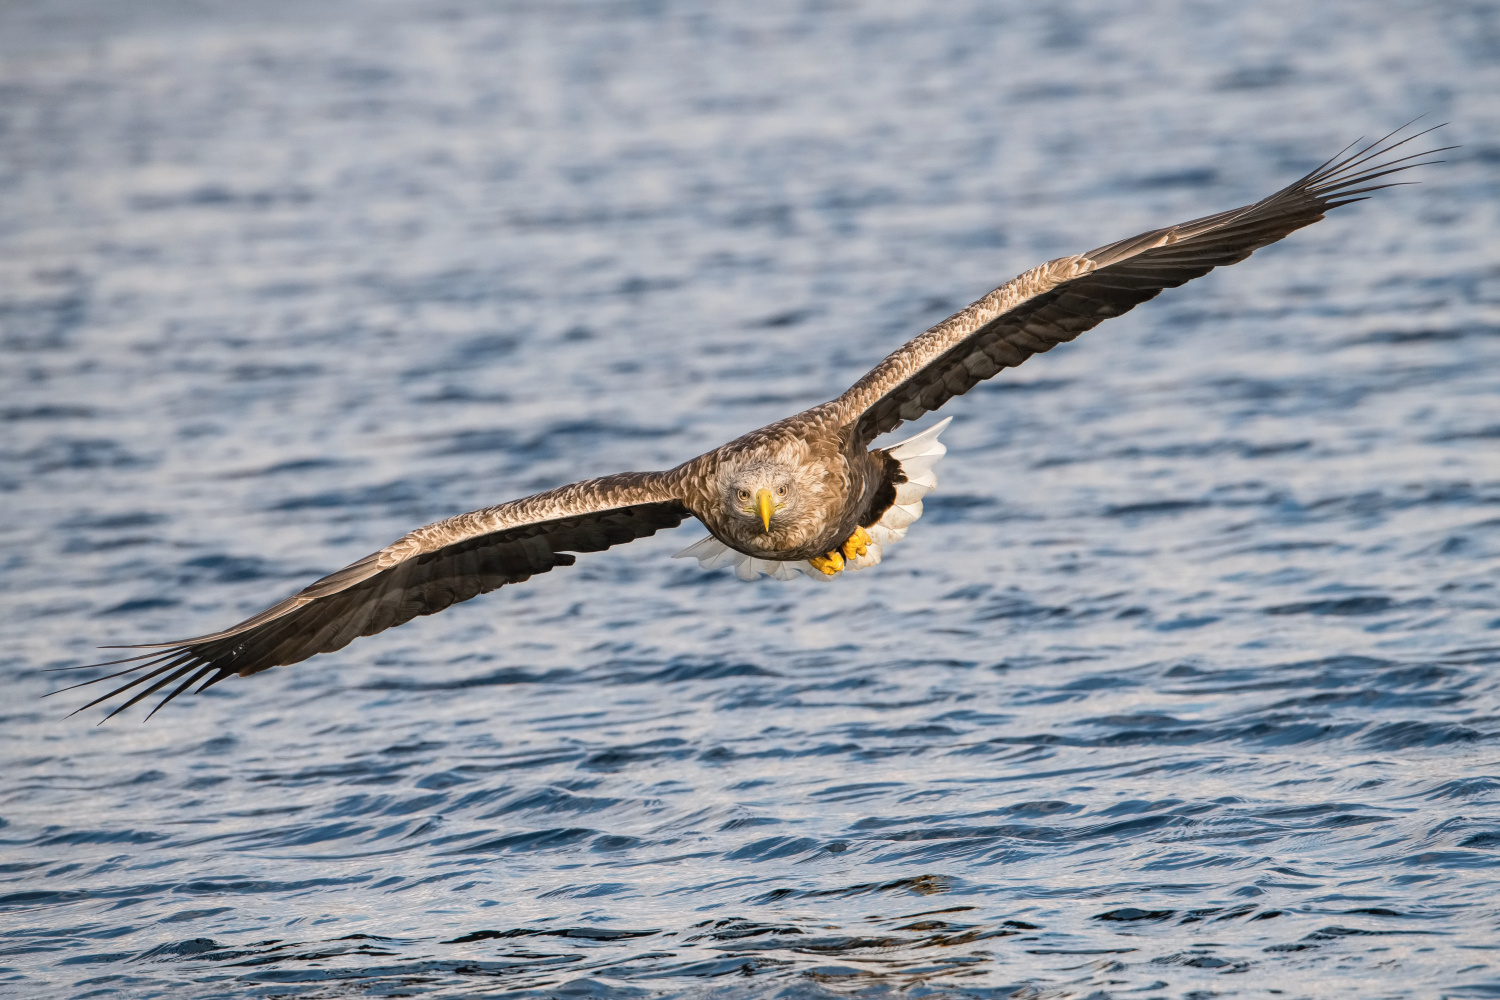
781, 495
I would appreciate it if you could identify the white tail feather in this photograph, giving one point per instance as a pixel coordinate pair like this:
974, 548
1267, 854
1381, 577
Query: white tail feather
925, 443
714, 554
909, 492
917, 456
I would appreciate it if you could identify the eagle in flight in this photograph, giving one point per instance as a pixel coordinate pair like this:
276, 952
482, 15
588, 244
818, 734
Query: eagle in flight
805, 495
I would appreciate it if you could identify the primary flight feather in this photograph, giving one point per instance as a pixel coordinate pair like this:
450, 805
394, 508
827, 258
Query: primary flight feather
805, 495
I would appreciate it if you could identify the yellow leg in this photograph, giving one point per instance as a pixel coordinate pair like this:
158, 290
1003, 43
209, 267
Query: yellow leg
857, 545
828, 563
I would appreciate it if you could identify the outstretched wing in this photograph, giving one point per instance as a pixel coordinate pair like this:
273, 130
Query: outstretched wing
421, 573
1062, 298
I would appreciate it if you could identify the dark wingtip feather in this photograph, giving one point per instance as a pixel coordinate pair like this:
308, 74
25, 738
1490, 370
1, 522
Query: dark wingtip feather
192, 679
216, 678
155, 658
174, 662
1374, 149
177, 669
1343, 171
106, 663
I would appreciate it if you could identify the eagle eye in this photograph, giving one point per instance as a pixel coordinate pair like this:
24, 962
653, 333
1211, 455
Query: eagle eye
781, 491
744, 495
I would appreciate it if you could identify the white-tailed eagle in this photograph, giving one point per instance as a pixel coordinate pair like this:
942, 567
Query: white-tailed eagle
804, 495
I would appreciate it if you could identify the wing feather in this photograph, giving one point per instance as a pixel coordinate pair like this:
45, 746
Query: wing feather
1055, 302
422, 573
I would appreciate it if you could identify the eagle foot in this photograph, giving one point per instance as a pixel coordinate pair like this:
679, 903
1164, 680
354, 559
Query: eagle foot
857, 545
833, 562
828, 563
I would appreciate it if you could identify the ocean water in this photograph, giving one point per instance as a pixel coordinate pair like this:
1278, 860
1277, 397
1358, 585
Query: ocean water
1185, 686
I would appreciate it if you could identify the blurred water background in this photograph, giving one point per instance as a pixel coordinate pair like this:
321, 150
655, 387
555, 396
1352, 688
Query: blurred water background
1185, 685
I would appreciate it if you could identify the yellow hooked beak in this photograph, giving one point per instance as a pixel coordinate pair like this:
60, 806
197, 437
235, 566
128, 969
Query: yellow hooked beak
766, 504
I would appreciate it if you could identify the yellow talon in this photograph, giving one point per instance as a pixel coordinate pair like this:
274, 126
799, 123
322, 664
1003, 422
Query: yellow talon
833, 562
857, 545
828, 563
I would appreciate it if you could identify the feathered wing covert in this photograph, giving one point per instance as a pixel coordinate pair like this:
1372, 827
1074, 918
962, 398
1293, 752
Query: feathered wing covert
454, 560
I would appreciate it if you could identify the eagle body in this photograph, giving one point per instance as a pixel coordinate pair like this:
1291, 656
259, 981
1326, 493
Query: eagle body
783, 500
841, 477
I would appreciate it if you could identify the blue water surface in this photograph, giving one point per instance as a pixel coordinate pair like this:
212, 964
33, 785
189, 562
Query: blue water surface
1184, 686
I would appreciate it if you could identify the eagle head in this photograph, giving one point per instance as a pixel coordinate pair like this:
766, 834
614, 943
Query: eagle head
759, 492
770, 503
